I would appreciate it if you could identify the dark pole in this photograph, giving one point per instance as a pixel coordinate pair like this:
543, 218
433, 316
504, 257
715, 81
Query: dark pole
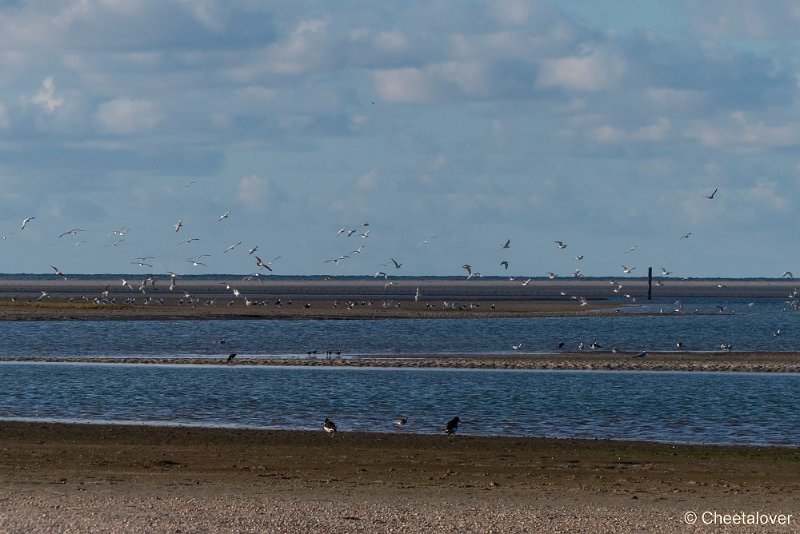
649, 283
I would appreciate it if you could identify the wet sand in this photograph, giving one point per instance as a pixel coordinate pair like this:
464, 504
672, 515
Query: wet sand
103, 478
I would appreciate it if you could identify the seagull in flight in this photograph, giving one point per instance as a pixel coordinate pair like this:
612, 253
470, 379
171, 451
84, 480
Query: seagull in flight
665, 272
25, 222
260, 263
468, 268
335, 261
71, 232
397, 265
189, 241
141, 264
58, 272
711, 196
628, 270
225, 215
686, 236
560, 244
252, 250
788, 274
231, 247
504, 263
196, 261
178, 224
507, 244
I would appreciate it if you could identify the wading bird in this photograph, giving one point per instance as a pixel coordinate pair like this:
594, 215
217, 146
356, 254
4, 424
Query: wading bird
451, 425
329, 426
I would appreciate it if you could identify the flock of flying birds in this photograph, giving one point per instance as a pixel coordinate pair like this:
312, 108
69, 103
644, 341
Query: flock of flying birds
361, 232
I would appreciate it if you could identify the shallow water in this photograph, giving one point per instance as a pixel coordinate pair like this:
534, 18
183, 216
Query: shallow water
673, 407
701, 328
730, 408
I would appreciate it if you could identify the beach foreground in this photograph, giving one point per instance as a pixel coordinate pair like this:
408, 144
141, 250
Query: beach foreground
105, 478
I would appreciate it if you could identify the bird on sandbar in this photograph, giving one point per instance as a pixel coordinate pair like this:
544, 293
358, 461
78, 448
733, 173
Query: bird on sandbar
329, 426
231, 357
451, 425
641, 354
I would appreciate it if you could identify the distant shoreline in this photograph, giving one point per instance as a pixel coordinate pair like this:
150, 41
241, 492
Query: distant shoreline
376, 298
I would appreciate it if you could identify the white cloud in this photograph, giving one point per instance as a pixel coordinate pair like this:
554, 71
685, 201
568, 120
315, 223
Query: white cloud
368, 181
257, 194
595, 71
443, 80
46, 98
646, 134
391, 41
739, 130
754, 19
403, 85
124, 116
765, 193
302, 52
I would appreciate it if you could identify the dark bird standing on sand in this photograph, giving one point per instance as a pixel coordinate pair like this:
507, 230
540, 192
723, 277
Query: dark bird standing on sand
231, 357
451, 425
329, 426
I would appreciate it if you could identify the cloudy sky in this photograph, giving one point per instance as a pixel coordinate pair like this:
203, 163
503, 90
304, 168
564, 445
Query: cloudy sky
448, 126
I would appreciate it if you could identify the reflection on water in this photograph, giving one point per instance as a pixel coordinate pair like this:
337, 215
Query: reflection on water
672, 407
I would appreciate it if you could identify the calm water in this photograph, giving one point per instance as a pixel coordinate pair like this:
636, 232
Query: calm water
746, 329
671, 407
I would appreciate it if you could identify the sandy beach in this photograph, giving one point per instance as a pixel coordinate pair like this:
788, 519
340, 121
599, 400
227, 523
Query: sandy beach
106, 478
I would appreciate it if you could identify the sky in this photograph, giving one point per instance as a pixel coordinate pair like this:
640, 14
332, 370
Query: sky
439, 129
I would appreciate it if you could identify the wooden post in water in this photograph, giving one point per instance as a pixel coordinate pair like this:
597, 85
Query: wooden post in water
649, 283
